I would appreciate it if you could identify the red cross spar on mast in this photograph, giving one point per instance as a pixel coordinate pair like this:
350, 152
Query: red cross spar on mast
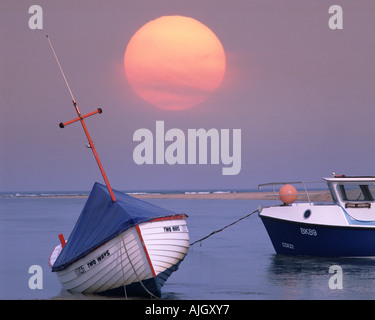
81, 119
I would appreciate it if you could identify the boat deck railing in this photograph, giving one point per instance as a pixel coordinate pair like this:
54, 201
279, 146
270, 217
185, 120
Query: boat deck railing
303, 194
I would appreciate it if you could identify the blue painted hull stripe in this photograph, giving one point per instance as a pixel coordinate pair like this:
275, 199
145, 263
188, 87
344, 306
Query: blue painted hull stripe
353, 221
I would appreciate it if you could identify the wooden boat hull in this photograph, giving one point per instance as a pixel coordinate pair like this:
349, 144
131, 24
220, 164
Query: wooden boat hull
137, 262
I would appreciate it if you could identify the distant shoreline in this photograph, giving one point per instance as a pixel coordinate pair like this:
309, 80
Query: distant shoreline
314, 196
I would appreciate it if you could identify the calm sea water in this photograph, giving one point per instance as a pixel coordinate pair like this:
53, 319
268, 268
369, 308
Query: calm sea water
236, 264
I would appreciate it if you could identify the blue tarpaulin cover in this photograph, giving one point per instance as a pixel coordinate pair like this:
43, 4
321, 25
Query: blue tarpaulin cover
102, 219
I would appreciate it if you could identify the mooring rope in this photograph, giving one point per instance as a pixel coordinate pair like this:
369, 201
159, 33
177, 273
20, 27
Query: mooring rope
135, 272
217, 231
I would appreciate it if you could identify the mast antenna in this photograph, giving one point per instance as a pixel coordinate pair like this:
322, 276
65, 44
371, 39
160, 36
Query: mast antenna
81, 119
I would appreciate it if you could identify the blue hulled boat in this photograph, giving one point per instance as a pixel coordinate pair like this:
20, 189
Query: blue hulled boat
343, 227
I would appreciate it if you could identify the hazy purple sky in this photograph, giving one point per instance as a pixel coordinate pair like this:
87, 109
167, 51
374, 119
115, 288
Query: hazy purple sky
302, 94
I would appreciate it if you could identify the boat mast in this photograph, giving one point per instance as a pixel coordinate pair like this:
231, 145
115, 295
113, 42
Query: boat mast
81, 119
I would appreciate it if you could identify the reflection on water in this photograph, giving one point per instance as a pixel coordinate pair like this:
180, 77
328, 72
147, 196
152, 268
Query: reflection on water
308, 277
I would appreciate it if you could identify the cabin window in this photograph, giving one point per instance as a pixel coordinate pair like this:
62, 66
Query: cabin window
357, 192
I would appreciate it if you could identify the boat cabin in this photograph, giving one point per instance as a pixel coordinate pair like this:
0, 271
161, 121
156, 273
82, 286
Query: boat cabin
354, 193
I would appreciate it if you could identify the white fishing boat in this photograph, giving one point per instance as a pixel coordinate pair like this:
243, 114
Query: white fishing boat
134, 262
120, 244
342, 227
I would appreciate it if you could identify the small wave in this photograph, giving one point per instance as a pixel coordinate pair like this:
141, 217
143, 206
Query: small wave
42, 194
224, 192
197, 192
140, 193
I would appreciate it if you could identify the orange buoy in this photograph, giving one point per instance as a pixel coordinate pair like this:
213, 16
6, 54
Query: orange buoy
288, 194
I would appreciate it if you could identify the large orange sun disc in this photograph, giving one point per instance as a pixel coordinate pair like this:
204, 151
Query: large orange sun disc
174, 62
